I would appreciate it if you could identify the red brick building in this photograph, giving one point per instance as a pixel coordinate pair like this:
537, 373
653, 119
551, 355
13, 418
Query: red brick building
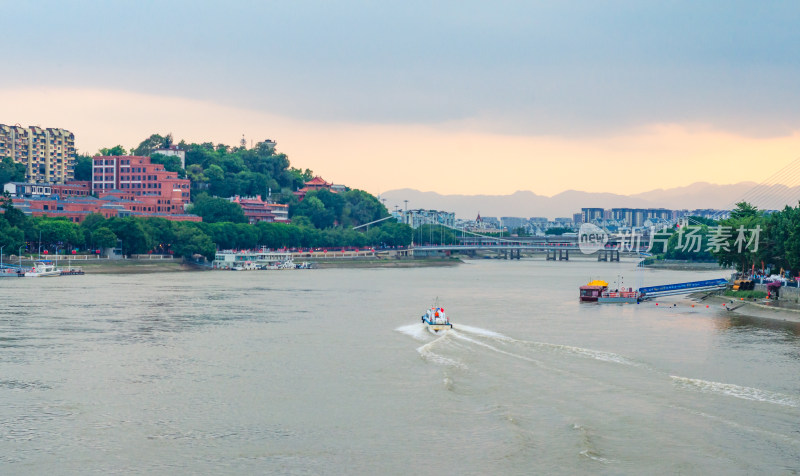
73, 188
138, 177
76, 209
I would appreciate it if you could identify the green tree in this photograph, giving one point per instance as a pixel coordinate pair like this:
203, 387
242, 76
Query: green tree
147, 146
196, 174
558, 230
104, 238
190, 241
214, 210
130, 231
744, 221
171, 163
361, 207
83, 168
116, 150
161, 232
689, 243
11, 171
11, 237
399, 234
313, 208
11, 214
58, 233
93, 221
744, 210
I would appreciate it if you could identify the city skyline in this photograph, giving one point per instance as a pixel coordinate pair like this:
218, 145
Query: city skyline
456, 98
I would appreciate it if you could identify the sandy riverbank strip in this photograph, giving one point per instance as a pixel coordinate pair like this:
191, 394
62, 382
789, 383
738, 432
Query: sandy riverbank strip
131, 266
760, 308
387, 263
681, 266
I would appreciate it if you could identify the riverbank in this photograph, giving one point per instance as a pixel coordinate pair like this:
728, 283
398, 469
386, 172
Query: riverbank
773, 310
129, 266
387, 263
133, 266
682, 265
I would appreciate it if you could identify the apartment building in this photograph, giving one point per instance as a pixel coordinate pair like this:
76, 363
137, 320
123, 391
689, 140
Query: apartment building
47, 153
144, 181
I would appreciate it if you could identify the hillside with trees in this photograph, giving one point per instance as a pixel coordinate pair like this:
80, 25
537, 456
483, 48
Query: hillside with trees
218, 172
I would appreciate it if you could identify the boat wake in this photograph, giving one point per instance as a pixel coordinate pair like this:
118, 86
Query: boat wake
444, 349
418, 331
746, 393
427, 353
486, 338
579, 351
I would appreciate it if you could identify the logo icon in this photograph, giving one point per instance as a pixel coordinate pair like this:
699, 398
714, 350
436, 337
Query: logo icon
591, 238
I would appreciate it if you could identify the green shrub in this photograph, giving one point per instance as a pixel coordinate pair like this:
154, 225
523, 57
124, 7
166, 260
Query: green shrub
746, 294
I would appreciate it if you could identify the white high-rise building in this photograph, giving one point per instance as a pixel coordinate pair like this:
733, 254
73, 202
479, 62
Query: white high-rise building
47, 153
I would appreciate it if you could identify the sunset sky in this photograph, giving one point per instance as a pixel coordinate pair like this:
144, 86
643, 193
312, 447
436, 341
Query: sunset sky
454, 97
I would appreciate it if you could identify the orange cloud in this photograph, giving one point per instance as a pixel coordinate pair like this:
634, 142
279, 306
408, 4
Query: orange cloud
447, 158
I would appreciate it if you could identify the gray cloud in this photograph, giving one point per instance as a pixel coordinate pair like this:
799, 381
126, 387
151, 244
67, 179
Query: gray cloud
577, 68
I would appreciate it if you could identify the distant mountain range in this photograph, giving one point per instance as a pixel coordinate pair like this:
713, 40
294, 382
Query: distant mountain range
564, 204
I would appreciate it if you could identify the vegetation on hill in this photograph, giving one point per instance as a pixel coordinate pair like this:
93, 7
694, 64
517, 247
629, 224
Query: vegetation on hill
11, 171
218, 172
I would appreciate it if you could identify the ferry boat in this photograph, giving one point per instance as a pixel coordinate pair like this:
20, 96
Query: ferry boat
250, 260
624, 296
436, 320
43, 269
72, 271
591, 292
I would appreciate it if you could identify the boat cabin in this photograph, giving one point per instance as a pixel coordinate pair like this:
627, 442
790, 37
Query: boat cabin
592, 291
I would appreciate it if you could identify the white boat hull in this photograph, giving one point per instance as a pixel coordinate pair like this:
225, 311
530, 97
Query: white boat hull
45, 274
438, 328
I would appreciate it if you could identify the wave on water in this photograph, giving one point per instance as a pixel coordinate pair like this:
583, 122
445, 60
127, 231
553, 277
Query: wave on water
417, 330
481, 332
746, 393
491, 347
593, 354
427, 353
590, 450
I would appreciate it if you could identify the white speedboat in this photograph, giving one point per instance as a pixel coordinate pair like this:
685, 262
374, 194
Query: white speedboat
436, 320
42, 269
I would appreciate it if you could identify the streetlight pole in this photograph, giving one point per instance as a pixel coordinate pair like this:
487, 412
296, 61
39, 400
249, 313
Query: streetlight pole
19, 255
1, 256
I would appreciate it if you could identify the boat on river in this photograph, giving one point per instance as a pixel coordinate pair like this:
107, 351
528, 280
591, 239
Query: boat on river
591, 292
11, 272
43, 269
624, 296
72, 271
436, 320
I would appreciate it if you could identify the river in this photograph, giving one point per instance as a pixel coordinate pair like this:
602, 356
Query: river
330, 372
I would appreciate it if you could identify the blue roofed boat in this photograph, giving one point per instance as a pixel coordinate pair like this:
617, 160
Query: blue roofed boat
436, 320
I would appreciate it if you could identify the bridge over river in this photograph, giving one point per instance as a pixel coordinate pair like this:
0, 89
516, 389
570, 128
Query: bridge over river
555, 248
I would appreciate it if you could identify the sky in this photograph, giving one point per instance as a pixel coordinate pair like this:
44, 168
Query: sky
454, 97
